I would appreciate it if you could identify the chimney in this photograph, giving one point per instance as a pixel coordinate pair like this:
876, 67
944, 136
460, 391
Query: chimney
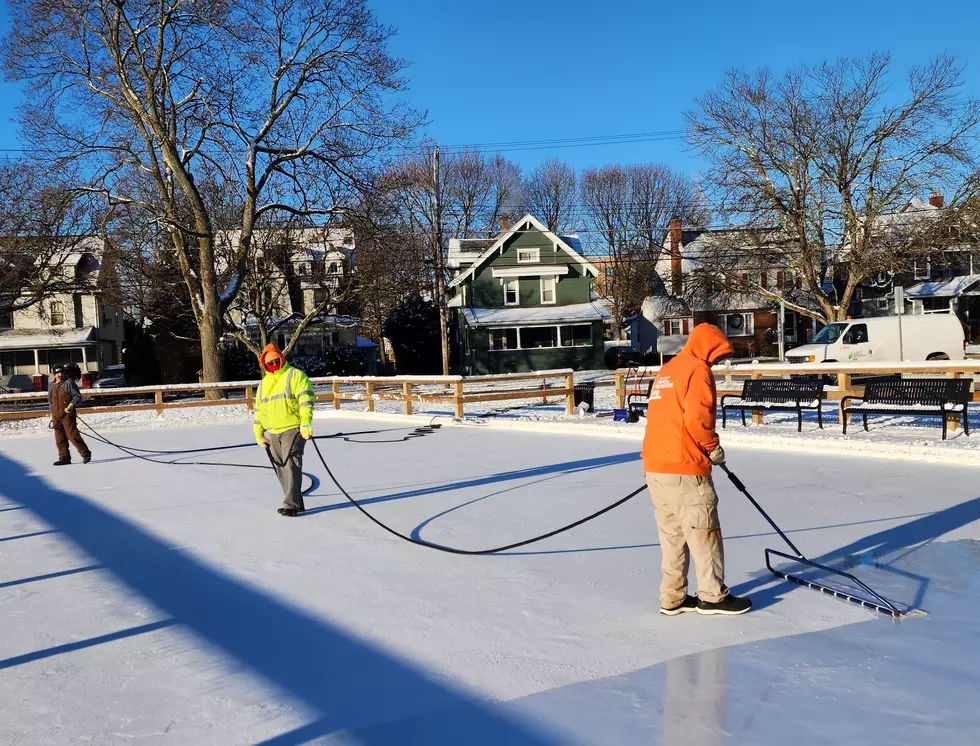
676, 279
937, 200
504, 224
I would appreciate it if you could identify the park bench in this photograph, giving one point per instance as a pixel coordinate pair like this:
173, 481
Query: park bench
777, 395
912, 396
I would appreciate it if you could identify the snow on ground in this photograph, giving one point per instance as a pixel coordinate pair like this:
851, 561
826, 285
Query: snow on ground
172, 605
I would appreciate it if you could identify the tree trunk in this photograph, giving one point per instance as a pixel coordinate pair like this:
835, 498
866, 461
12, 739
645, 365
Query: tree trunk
211, 362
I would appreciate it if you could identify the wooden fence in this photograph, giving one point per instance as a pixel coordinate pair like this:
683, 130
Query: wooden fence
637, 379
408, 390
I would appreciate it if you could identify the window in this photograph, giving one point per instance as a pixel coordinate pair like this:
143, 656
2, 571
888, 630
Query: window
535, 337
333, 269
302, 269
922, 269
511, 293
548, 290
528, 256
856, 334
829, 334
6, 320
579, 335
676, 327
503, 339
57, 314
739, 325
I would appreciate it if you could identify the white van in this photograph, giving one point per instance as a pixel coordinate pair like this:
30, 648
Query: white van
932, 336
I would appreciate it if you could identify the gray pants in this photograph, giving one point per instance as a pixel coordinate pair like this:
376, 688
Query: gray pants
286, 450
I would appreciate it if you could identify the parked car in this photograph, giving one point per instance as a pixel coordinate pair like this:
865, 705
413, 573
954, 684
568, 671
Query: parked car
110, 383
933, 336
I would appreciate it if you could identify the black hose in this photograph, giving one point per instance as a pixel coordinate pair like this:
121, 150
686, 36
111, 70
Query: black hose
453, 550
418, 432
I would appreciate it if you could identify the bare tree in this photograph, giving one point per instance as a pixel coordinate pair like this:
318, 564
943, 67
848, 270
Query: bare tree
293, 272
630, 207
42, 222
549, 194
821, 161
281, 103
478, 190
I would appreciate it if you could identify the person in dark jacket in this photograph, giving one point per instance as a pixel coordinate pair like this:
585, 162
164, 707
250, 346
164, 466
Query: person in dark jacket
63, 398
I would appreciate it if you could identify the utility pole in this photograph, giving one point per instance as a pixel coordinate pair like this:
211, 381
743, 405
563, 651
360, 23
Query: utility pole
782, 331
440, 272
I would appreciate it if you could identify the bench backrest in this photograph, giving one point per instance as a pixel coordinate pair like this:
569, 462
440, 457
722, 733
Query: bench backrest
918, 391
780, 391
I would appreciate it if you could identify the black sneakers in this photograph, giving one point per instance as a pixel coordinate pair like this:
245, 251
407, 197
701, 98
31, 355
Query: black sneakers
63, 461
688, 604
728, 606
86, 459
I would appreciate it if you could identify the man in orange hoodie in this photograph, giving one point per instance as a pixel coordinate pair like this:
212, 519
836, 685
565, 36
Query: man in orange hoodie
679, 448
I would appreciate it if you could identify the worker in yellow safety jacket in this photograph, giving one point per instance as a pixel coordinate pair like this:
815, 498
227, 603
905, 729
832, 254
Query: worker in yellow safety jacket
284, 422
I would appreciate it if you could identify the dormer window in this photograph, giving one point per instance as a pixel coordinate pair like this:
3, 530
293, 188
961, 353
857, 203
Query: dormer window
528, 256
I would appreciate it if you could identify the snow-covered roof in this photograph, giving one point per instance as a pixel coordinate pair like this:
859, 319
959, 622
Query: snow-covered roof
22, 339
963, 285
525, 223
657, 307
518, 316
465, 251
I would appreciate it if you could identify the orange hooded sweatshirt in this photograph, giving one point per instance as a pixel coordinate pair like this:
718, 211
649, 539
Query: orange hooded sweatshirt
682, 410
271, 352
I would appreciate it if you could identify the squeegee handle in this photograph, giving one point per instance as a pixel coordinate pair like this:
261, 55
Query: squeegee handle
741, 488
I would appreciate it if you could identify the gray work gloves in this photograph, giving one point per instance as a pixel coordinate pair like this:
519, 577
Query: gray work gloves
717, 456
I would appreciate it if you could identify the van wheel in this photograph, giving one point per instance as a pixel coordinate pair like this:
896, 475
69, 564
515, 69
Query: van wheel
938, 356
829, 380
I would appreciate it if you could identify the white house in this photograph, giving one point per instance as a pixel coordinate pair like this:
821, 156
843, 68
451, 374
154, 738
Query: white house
74, 324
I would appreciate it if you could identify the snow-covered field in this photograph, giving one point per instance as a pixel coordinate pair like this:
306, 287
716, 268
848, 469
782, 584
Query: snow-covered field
152, 603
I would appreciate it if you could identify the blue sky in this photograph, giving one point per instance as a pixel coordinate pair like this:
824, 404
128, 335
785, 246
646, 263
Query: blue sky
509, 70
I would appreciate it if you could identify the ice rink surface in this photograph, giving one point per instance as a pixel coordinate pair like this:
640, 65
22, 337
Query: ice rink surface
150, 603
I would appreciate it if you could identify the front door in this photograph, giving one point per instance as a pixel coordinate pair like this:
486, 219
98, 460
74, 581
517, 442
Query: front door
856, 345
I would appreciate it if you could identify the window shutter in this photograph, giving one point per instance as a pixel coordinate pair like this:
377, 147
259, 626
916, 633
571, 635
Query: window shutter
666, 327
799, 282
750, 323
687, 329
764, 279
779, 281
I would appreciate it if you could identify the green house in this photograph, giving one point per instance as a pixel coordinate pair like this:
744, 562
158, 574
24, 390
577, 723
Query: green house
523, 302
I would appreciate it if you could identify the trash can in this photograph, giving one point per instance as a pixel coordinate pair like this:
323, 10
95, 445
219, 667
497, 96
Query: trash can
585, 392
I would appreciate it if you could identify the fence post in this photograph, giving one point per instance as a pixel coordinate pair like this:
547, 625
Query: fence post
953, 420
756, 413
249, 400
843, 389
620, 390
460, 414
369, 393
407, 394
335, 389
569, 394
158, 399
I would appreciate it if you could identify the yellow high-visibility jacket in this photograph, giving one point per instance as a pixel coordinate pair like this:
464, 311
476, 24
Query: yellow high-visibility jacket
283, 401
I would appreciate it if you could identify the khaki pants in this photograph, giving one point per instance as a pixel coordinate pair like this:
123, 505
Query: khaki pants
687, 520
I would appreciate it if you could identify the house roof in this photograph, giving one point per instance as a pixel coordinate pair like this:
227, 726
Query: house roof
21, 339
523, 316
657, 307
525, 223
963, 285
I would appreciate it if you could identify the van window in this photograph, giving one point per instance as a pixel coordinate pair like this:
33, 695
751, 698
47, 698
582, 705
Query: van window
857, 334
829, 334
